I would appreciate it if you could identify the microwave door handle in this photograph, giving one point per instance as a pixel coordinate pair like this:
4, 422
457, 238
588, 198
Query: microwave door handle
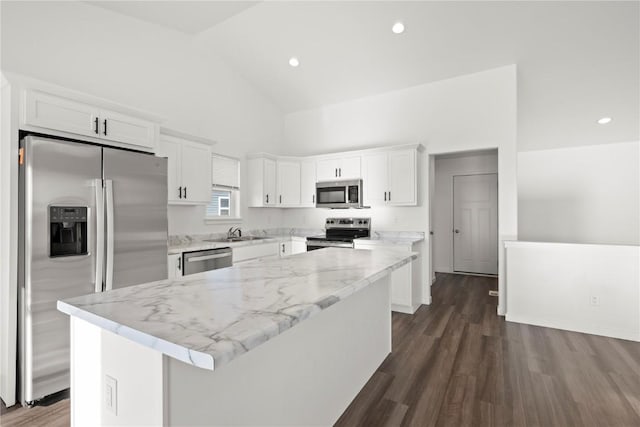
99, 254
108, 285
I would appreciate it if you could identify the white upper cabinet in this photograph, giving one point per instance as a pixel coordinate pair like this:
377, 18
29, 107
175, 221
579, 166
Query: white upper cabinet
127, 129
308, 183
390, 178
288, 177
52, 112
189, 170
374, 179
262, 182
196, 173
402, 178
44, 110
338, 168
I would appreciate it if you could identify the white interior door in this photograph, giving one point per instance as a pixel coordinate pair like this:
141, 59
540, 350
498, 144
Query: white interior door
475, 223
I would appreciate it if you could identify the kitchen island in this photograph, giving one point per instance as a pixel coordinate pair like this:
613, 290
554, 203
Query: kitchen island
287, 341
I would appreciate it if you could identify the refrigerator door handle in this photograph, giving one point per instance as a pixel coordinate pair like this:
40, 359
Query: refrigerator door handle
108, 283
99, 235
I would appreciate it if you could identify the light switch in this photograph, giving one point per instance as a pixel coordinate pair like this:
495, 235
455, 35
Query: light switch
111, 394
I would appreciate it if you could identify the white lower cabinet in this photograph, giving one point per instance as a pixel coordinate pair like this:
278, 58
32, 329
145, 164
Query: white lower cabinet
174, 266
294, 246
405, 281
252, 252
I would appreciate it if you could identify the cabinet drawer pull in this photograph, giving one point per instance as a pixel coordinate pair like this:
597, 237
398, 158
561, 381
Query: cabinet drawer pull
185, 192
267, 198
281, 199
96, 128
179, 192
385, 196
105, 127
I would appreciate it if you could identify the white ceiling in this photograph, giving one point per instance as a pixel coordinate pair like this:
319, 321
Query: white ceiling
577, 61
190, 17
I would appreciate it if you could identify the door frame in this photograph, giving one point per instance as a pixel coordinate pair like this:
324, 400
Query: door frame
507, 205
453, 224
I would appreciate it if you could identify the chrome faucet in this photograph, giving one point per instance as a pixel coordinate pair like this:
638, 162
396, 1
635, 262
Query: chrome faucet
234, 232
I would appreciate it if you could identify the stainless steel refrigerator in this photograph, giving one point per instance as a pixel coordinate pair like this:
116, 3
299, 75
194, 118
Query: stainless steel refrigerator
92, 219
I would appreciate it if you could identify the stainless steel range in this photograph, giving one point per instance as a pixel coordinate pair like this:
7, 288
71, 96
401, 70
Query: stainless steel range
340, 233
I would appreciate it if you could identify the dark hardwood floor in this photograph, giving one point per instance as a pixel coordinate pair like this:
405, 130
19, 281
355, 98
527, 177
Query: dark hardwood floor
457, 363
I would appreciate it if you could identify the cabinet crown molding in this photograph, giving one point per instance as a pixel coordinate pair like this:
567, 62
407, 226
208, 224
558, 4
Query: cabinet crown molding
29, 83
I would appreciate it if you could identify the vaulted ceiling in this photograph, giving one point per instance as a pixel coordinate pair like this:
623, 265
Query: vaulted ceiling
577, 61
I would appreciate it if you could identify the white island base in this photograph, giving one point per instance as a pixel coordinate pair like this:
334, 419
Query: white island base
307, 375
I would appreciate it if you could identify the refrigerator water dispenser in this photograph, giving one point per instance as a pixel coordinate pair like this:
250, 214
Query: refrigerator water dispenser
67, 231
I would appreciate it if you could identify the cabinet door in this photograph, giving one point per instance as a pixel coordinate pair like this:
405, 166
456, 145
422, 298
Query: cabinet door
129, 130
196, 173
349, 168
171, 150
288, 183
285, 248
402, 178
174, 266
374, 179
270, 182
52, 112
308, 184
298, 247
327, 169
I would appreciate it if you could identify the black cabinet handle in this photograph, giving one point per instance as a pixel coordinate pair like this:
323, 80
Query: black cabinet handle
96, 129
179, 192
313, 198
105, 126
283, 248
267, 198
389, 195
385, 196
340, 172
281, 198
185, 192
336, 172
180, 263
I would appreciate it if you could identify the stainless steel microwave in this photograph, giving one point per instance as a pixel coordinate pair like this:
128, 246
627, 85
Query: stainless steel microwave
339, 194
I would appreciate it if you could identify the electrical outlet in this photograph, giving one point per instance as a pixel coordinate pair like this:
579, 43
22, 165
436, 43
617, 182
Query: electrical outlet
595, 300
111, 394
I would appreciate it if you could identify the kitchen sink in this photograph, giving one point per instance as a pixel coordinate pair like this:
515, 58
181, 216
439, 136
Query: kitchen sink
234, 239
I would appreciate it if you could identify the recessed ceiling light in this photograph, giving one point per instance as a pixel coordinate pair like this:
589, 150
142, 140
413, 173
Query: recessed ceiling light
293, 61
604, 120
398, 28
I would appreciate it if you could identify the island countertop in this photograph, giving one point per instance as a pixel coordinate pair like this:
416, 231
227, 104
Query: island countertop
208, 319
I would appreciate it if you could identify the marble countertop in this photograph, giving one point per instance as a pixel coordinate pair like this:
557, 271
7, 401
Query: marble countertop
199, 245
208, 319
196, 243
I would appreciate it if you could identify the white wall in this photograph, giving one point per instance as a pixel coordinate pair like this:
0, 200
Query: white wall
472, 112
593, 289
149, 67
585, 194
446, 167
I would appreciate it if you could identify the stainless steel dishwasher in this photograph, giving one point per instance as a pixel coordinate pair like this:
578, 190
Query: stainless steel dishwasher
205, 260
